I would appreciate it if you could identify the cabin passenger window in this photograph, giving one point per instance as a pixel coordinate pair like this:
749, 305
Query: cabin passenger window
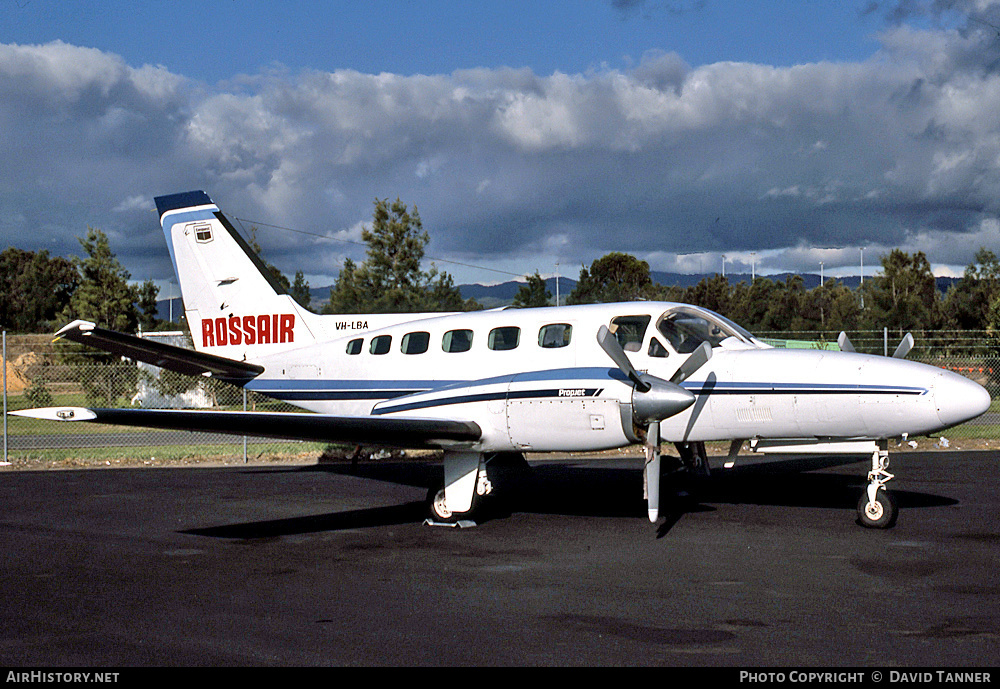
630, 331
502, 339
457, 341
556, 335
380, 344
354, 346
415, 343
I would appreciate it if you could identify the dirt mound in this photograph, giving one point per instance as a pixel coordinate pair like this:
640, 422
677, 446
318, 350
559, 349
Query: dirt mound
16, 382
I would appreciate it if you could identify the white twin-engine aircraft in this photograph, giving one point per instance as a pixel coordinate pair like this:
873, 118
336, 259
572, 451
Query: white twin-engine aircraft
491, 384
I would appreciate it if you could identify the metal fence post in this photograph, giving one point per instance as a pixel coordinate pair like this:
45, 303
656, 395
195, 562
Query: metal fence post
885, 341
244, 437
5, 462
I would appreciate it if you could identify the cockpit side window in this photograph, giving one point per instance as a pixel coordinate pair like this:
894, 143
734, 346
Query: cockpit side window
630, 331
657, 350
681, 334
686, 328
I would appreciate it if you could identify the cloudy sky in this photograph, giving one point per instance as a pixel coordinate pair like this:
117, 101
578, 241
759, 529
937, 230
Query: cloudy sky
780, 132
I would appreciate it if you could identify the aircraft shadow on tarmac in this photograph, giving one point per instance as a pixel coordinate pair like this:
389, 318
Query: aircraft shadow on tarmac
596, 490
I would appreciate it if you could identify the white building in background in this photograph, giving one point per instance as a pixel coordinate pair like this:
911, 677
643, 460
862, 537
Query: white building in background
148, 395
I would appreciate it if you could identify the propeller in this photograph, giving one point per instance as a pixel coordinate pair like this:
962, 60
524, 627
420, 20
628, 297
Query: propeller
651, 471
901, 351
653, 400
696, 360
613, 349
904, 347
844, 342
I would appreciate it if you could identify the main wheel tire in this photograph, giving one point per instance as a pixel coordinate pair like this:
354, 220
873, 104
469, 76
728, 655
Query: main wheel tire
437, 507
880, 514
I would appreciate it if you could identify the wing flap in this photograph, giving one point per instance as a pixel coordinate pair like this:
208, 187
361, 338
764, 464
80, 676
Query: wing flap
160, 354
412, 433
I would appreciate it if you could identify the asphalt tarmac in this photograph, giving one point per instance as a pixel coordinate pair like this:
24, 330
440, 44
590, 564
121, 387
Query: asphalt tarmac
299, 566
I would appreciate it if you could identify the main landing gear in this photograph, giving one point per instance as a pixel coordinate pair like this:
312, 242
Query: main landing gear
876, 508
470, 483
439, 508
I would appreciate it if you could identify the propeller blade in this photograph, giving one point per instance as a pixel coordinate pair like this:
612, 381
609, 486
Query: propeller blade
652, 471
904, 347
696, 360
845, 343
609, 343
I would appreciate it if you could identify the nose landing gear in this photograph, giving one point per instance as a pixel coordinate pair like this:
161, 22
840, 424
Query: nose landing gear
876, 508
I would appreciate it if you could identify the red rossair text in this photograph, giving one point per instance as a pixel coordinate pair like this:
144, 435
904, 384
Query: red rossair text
268, 328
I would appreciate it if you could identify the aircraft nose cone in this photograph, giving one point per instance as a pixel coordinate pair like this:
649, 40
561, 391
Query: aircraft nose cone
959, 399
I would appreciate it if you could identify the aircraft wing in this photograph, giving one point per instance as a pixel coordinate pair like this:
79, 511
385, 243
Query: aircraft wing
411, 433
159, 354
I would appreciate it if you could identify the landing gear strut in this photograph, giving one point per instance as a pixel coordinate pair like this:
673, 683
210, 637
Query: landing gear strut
694, 457
876, 508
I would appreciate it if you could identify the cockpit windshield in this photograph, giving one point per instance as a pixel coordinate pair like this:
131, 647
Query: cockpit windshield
686, 327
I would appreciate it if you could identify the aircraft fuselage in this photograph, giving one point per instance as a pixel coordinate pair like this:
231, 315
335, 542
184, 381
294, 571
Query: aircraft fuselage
537, 380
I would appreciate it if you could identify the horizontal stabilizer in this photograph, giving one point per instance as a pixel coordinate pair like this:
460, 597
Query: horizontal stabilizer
389, 432
159, 354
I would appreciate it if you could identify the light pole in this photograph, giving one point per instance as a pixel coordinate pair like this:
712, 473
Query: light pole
557, 283
861, 288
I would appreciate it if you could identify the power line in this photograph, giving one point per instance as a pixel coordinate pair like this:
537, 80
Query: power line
357, 243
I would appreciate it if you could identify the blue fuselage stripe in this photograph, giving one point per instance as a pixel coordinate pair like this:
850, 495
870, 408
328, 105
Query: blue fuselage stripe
465, 391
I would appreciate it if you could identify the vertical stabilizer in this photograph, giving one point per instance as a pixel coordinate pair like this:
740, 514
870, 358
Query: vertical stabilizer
234, 306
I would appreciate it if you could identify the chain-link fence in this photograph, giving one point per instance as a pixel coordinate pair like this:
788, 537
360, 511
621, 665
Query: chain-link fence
42, 373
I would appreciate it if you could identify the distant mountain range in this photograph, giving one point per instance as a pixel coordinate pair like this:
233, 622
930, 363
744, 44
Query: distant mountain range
502, 294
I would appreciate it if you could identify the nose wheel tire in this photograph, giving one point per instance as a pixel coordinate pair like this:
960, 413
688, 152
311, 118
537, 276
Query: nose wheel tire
880, 513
